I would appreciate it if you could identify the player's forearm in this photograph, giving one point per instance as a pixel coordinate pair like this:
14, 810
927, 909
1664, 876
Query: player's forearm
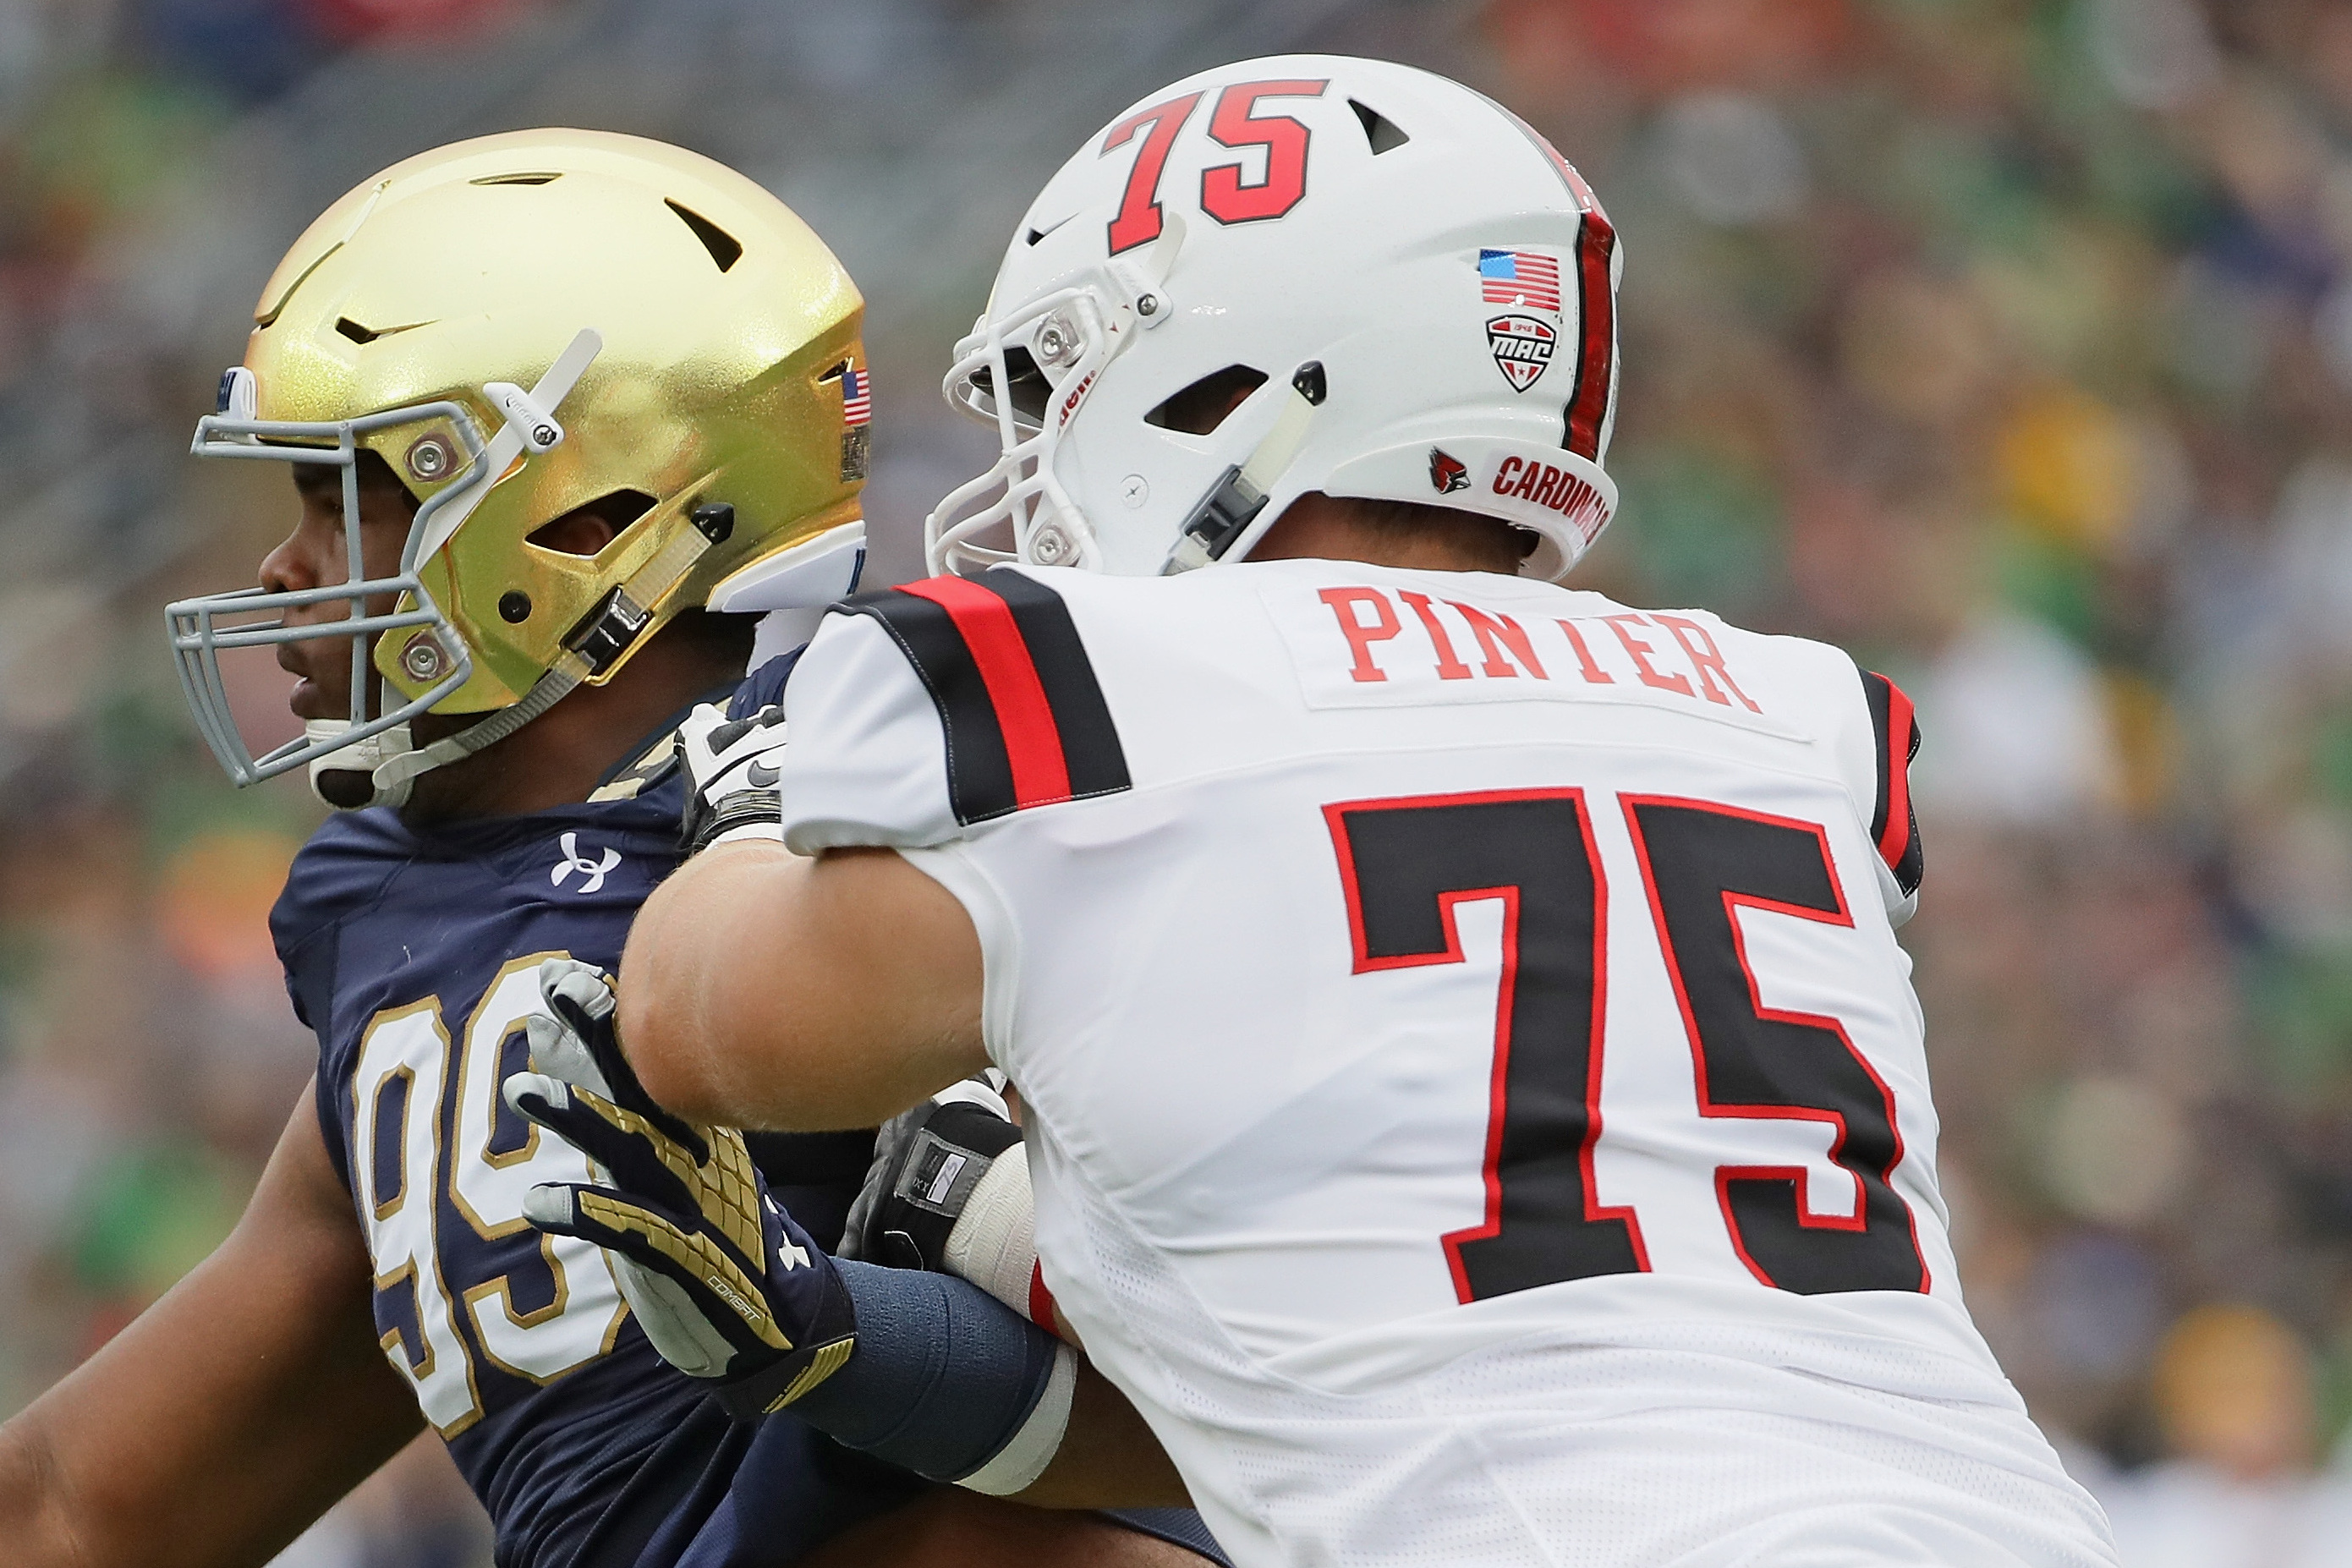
931, 1372
149, 1460
750, 995
229, 1414
36, 1519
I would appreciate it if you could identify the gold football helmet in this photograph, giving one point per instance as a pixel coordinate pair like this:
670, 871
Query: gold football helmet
520, 325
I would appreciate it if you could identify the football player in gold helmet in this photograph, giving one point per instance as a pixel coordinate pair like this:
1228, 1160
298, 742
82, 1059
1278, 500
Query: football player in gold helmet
562, 409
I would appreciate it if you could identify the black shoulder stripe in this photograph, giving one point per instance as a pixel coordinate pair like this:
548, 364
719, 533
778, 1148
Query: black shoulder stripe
980, 772
1895, 818
1096, 762
1025, 721
1912, 865
1875, 688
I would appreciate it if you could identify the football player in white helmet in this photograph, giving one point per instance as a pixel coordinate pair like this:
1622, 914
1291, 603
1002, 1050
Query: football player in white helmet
1187, 339
1476, 1104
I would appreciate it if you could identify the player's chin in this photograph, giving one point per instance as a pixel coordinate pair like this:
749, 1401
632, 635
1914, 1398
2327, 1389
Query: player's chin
309, 700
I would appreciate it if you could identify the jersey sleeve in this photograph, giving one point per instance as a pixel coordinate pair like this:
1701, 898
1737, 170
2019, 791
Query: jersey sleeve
1893, 821
866, 758
922, 710
305, 943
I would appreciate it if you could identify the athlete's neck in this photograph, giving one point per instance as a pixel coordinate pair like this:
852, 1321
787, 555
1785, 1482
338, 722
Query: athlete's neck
558, 757
1335, 528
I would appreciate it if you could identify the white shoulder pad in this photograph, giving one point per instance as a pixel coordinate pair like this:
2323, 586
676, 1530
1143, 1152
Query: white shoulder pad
937, 705
866, 764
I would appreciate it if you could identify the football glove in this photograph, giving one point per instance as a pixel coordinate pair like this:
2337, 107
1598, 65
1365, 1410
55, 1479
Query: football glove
949, 1191
730, 776
723, 1281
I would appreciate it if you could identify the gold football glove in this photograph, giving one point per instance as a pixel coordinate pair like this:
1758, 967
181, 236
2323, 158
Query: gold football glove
723, 1282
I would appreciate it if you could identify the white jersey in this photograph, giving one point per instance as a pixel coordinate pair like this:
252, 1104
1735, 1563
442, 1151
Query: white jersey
1476, 1102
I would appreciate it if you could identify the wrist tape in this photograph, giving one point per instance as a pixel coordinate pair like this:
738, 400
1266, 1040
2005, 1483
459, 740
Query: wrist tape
994, 1242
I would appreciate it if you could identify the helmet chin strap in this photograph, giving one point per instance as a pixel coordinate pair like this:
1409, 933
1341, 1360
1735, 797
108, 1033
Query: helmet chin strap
391, 763
353, 765
1233, 503
399, 772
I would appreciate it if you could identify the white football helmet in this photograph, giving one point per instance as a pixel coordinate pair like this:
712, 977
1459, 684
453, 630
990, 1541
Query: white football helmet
1416, 293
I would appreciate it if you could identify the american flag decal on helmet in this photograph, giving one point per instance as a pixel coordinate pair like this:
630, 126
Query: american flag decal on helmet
856, 394
1519, 278
856, 412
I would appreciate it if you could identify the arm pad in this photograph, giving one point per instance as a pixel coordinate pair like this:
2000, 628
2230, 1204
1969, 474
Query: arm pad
946, 1379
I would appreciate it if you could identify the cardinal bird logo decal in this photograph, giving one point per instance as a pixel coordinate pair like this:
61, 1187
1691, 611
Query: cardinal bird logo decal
1446, 474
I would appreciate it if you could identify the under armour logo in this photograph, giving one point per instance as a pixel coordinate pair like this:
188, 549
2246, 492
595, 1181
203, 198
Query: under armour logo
592, 872
788, 1253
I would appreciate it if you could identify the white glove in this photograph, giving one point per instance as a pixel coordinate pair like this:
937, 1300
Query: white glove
732, 767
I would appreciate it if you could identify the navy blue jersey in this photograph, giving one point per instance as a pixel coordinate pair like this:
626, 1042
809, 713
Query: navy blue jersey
413, 955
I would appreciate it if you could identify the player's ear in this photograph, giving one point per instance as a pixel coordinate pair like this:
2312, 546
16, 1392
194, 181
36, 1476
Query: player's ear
586, 530
579, 532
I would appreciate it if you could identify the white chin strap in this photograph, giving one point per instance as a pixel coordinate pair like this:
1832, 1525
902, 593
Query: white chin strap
360, 759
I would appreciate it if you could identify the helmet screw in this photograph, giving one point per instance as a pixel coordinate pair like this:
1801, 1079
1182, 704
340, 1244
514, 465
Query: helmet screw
1148, 305
514, 607
545, 435
422, 658
1057, 342
1048, 545
1134, 490
429, 458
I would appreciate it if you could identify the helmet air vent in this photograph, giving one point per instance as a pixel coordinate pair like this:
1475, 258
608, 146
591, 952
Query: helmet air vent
1200, 408
1037, 234
535, 177
724, 247
1381, 131
576, 534
360, 334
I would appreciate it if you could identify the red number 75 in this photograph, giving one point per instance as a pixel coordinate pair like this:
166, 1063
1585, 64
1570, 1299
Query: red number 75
1224, 196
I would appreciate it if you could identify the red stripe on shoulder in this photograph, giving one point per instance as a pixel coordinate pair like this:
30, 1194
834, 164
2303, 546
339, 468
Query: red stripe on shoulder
1894, 841
1033, 741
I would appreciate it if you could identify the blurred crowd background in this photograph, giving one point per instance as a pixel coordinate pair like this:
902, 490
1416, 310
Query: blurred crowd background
2006, 342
